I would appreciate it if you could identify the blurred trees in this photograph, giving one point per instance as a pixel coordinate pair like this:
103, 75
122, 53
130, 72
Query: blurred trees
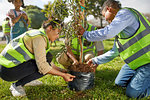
93, 7
36, 17
57, 9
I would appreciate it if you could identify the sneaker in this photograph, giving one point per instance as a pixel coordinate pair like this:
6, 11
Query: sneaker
34, 83
17, 90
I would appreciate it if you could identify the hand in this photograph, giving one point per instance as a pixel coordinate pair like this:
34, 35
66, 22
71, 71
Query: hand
75, 63
93, 66
68, 77
90, 62
81, 30
24, 16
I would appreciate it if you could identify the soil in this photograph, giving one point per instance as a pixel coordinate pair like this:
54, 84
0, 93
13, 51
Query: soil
82, 68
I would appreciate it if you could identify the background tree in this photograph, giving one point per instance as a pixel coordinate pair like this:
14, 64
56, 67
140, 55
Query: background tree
35, 15
93, 7
57, 9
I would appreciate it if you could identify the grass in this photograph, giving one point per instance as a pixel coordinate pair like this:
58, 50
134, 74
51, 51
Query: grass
55, 88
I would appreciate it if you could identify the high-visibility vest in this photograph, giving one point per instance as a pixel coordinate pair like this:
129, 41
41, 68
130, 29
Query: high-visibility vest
6, 27
87, 46
16, 52
135, 50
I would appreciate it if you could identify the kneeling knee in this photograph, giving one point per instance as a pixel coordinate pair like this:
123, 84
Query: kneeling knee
120, 83
132, 93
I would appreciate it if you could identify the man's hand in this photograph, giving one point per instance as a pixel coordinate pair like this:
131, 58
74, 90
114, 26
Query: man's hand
90, 62
81, 30
93, 66
68, 77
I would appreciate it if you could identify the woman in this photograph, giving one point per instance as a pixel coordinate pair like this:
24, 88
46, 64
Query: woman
19, 19
27, 57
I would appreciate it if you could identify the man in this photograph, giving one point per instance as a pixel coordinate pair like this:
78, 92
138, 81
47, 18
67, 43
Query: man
6, 29
90, 49
132, 42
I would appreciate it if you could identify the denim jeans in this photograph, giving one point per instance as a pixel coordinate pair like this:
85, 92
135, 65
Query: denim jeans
7, 38
137, 82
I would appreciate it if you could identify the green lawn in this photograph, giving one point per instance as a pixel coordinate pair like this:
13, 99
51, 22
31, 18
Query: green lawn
55, 88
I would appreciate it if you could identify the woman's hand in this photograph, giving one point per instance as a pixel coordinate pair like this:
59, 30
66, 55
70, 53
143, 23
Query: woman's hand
68, 77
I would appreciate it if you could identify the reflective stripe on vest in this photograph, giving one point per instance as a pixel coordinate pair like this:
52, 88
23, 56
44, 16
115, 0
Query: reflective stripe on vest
135, 50
16, 53
75, 43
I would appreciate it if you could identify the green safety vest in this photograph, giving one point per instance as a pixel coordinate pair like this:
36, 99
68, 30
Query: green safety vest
135, 50
6, 27
16, 52
87, 46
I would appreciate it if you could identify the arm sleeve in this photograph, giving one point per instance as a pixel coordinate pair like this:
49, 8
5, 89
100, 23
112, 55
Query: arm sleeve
39, 48
106, 57
123, 19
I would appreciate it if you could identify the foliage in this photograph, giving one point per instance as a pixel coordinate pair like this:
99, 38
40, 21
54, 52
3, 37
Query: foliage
57, 9
93, 7
35, 15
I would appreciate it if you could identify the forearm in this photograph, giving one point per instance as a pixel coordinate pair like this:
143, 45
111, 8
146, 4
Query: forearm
53, 71
103, 58
16, 19
106, 57
58, 68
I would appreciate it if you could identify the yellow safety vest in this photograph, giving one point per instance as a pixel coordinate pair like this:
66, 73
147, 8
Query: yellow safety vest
135, 50
16, 52
6, 27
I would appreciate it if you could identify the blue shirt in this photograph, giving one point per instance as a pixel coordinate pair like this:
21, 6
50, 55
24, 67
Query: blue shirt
125, 22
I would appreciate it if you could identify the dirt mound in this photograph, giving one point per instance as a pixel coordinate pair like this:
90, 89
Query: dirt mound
82, 68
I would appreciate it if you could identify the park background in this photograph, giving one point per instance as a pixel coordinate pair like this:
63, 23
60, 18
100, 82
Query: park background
55, 88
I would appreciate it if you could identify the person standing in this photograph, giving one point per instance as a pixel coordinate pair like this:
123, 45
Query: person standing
6, 29
131, 31
27, 57
18, 18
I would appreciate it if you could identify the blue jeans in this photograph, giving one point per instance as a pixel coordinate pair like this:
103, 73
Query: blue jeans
137, 82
